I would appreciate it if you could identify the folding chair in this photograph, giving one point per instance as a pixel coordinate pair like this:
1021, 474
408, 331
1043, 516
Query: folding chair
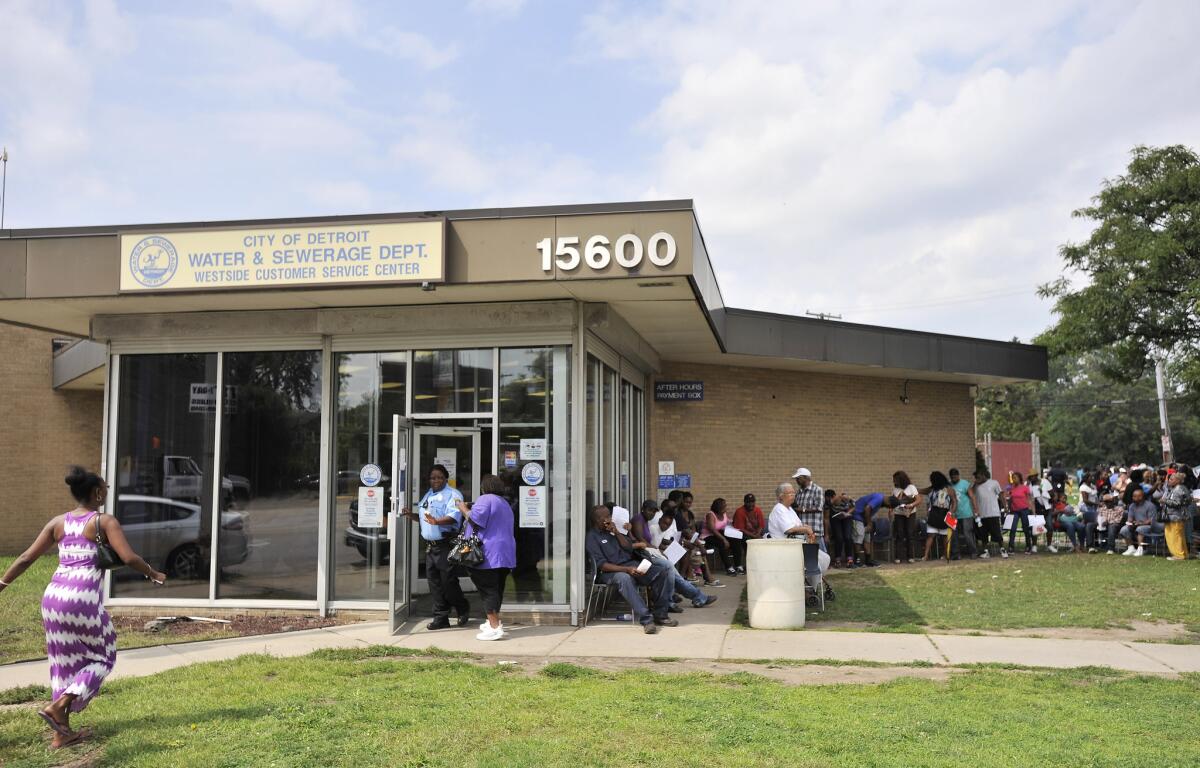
599, 593
814, 582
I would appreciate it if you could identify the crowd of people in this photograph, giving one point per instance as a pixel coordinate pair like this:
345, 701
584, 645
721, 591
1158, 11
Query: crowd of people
1111, 509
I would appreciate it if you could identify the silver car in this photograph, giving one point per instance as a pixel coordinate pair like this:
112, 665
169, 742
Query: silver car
166, 533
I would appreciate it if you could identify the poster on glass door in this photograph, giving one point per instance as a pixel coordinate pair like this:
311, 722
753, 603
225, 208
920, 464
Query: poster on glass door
532, 512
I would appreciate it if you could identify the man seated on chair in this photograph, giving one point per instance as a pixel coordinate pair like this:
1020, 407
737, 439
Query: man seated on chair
1141, 514
1109, 517
612, 554
654, 546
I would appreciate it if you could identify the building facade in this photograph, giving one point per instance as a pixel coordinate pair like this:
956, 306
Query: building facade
274, 390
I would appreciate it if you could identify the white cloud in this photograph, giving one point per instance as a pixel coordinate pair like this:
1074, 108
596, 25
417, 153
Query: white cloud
345, 21
876, 155
498, 7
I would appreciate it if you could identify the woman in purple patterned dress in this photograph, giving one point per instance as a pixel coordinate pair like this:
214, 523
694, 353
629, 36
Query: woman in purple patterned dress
80, 640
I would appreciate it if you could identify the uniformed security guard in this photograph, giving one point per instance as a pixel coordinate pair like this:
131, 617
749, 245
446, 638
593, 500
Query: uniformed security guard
440, 522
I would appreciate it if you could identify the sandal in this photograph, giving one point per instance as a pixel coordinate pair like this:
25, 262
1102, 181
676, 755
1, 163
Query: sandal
83, 734
56, 726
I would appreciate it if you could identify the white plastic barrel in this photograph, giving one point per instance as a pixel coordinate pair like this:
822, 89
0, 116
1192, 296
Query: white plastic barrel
775, 583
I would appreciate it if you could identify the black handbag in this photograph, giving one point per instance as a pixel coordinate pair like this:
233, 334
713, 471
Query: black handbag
466, 549
106, 557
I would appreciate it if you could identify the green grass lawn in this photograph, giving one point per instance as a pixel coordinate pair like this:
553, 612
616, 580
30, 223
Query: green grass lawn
21, 634
352, 709
1032, 591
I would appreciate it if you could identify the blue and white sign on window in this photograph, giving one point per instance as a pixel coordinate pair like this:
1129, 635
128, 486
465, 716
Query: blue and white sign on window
532, 473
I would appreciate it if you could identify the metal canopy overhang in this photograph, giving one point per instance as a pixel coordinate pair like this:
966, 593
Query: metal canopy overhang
683, 318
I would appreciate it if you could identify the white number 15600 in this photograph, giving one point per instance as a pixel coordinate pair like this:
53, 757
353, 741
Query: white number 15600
564, 252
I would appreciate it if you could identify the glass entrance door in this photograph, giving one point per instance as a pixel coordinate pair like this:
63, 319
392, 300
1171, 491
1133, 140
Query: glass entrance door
456, 449
399, 531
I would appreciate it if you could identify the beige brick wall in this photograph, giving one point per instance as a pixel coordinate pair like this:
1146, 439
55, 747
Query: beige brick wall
42, 431
756, 425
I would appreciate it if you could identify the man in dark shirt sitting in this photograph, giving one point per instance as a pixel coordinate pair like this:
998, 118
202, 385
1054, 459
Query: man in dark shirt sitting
615, 563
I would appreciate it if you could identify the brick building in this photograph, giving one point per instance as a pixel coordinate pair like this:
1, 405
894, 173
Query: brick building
44, 431
259, 378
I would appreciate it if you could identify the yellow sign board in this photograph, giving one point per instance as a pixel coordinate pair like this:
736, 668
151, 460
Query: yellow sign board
302, 255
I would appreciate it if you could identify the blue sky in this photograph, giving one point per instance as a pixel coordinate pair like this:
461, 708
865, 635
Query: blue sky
900, 163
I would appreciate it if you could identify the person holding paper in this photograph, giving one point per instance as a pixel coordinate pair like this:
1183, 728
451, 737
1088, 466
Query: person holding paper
612, 555
903, 503
713, 533
692, 542
670, 551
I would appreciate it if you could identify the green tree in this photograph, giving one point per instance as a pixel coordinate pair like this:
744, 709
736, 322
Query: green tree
1083, 417
1142, 270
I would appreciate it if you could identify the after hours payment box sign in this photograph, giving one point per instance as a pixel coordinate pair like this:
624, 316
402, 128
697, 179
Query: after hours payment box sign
342, 254
678, 391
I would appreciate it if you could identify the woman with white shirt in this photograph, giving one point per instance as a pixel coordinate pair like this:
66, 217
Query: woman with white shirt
784, 522
904, 518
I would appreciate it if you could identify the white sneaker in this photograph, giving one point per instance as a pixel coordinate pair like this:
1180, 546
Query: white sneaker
1053, 549
985, 555
1172, 557
490, 634
1111, 552
1138, 552
1129, 551
1033, 550
485, 625
1004, 553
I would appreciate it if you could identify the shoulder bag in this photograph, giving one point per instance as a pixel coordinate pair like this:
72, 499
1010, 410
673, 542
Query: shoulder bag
466, 549
106, 556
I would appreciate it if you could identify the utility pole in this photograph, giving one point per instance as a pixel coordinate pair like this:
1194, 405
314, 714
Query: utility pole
1159, 376
3, 185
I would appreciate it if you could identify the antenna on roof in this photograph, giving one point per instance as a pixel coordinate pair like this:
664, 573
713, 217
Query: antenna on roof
823, 315
3, 185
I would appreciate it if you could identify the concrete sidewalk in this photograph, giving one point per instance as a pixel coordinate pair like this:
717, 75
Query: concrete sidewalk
704, 633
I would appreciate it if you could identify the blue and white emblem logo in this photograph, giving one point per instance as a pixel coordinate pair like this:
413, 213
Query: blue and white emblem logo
370, 474
532, 473
153, 261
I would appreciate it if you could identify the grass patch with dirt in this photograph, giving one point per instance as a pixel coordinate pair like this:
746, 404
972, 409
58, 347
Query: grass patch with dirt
373, 711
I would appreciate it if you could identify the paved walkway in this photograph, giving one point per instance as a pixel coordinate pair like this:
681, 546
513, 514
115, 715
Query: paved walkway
702, 634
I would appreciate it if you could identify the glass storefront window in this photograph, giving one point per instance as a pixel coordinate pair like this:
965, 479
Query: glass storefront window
164, 461
370, 388
591, 435
535, 403
452, 381
270, 444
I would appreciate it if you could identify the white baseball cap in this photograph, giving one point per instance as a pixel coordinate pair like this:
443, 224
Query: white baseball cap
802, 472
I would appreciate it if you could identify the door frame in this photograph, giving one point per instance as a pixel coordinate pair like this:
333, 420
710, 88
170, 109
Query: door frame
399, 531
419, 585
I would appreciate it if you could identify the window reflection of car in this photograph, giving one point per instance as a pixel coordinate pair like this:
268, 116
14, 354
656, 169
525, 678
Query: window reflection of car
182, 478
167, 534
371, 543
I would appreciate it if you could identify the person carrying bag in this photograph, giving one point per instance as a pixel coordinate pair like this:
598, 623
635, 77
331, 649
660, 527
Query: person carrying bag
487, 547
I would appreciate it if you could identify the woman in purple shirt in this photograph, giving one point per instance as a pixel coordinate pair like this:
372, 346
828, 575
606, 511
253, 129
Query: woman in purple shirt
492, 518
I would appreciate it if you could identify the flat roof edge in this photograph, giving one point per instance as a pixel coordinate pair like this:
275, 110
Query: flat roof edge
462, 214
766, 334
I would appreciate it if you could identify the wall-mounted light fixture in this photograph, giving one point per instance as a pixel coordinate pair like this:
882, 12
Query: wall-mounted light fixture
904, 398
